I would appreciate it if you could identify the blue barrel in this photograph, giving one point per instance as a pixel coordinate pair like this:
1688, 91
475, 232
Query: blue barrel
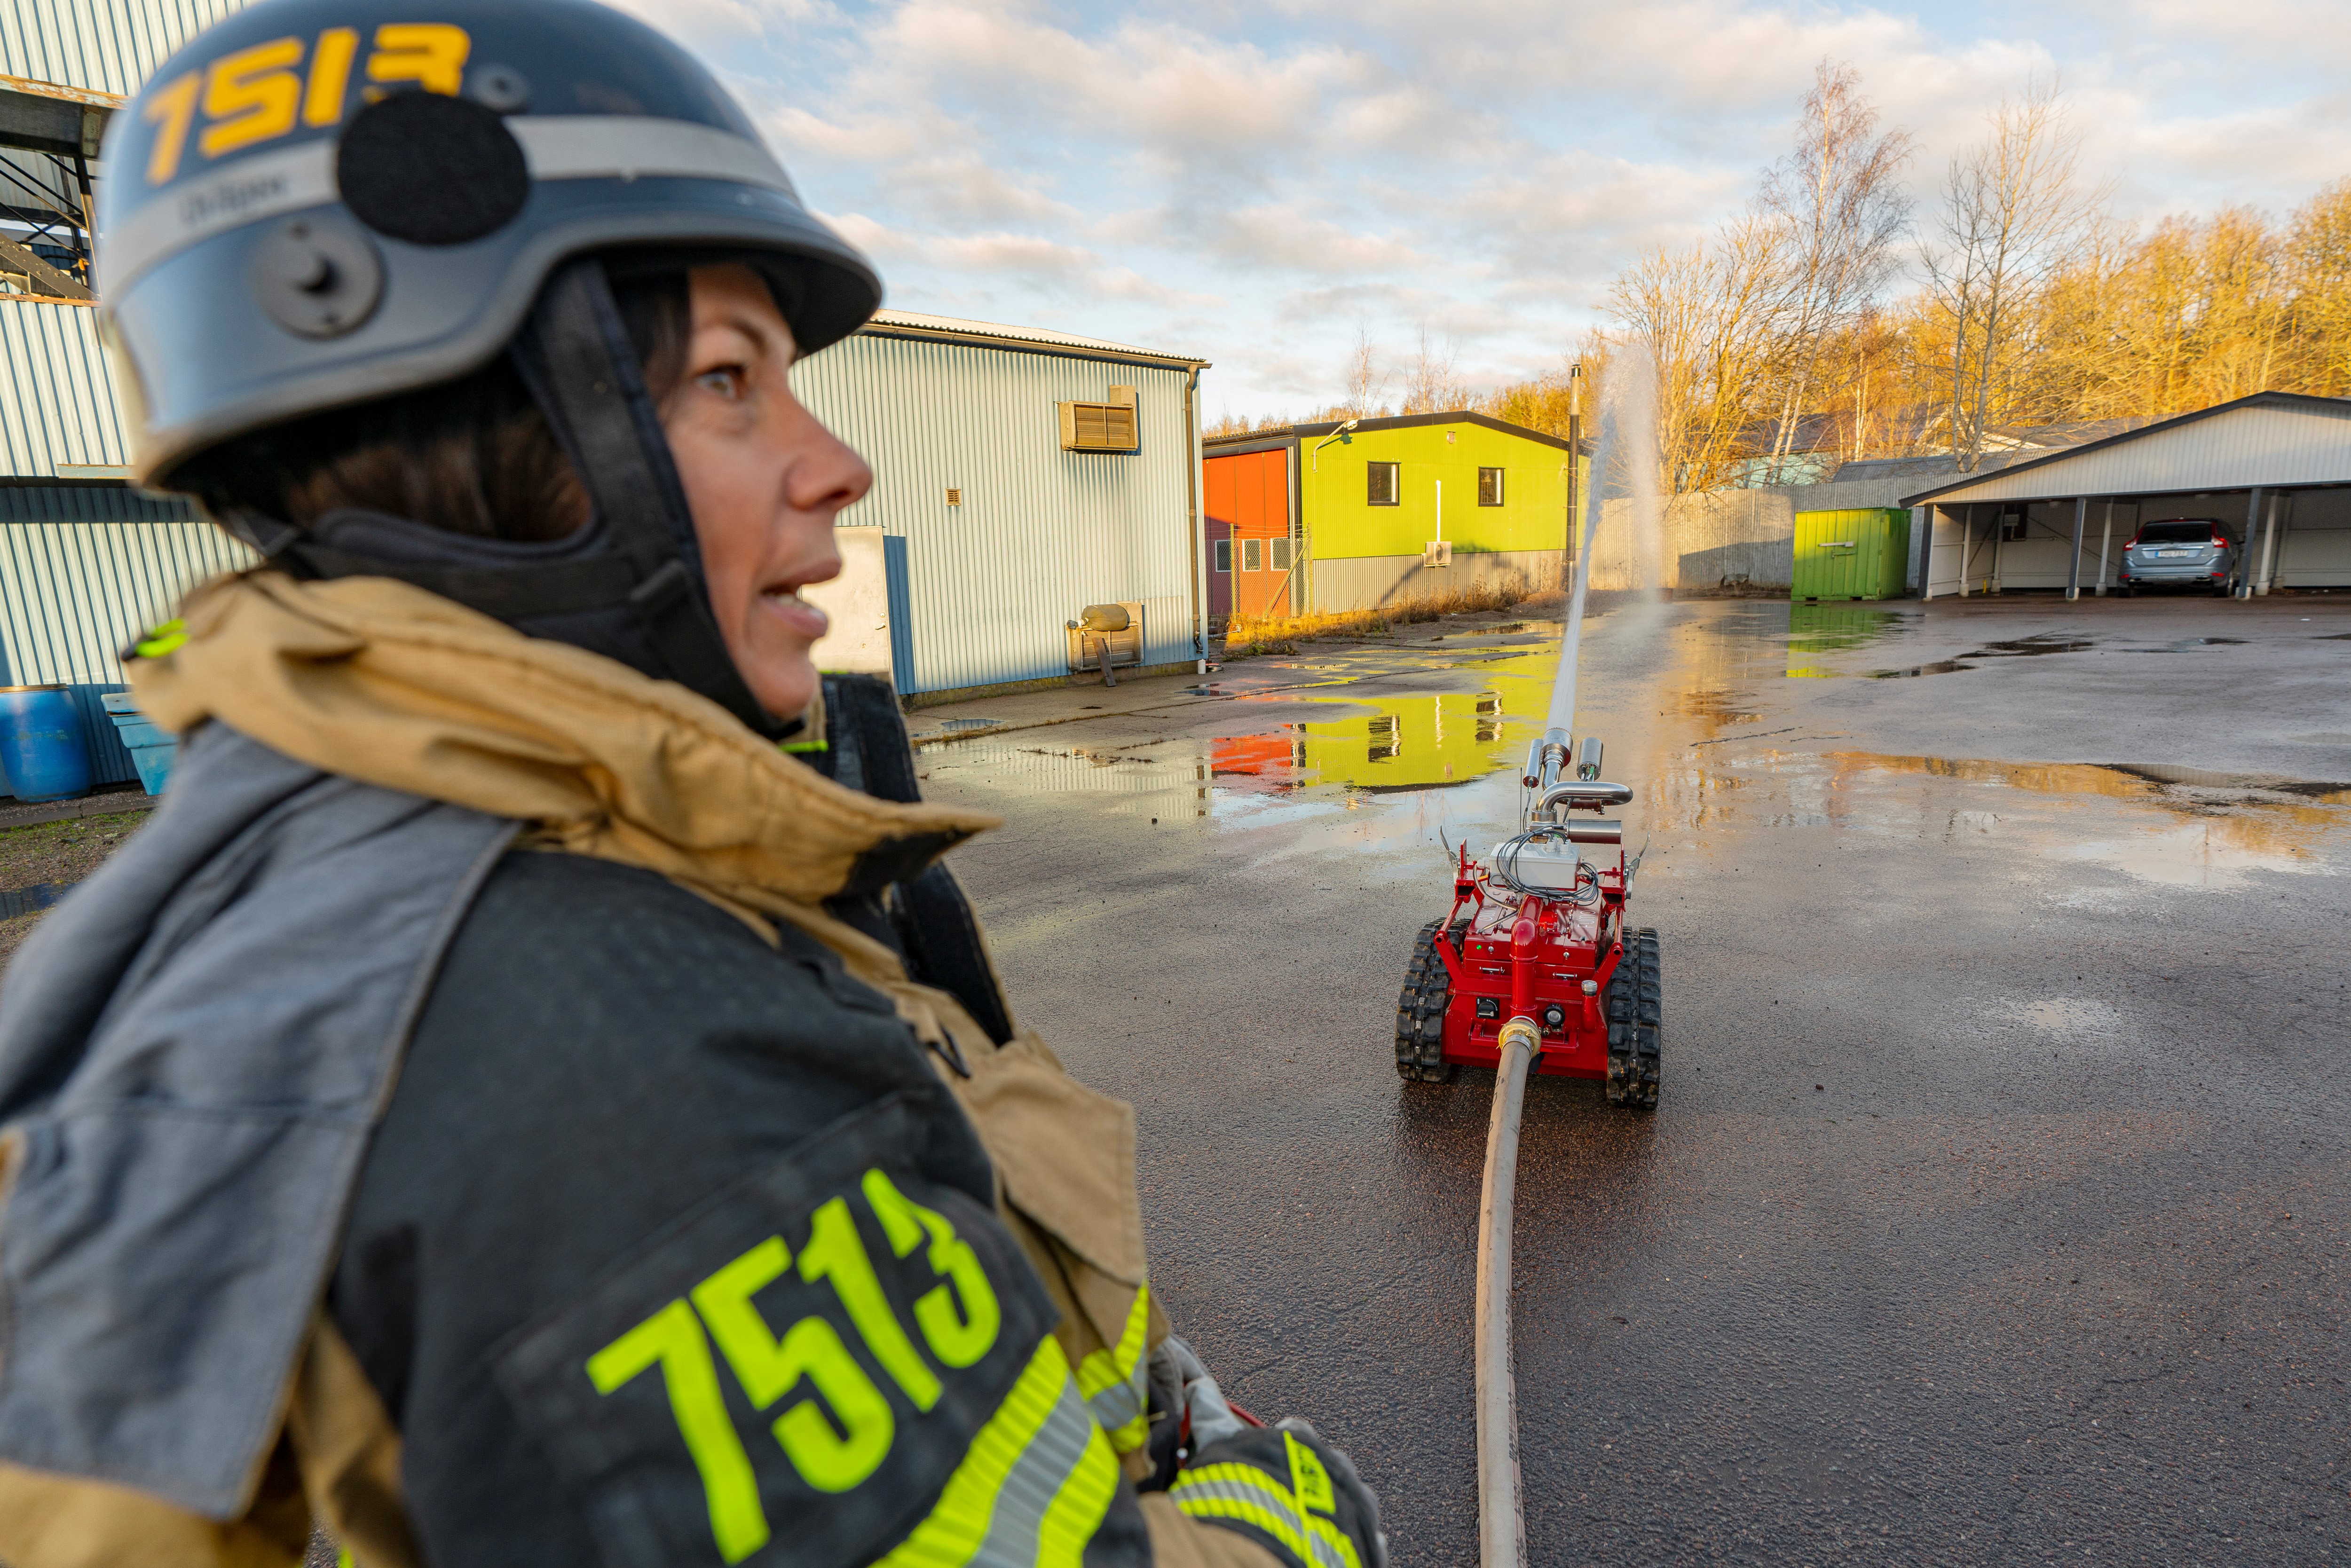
41, 744
153, 748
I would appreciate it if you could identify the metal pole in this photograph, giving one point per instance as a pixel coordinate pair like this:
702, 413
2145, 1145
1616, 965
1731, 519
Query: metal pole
2269, 548
2106, 546
2245, 555
1501, 1522
2074, 571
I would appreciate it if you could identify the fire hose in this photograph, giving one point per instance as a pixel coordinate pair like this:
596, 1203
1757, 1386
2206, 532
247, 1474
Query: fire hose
1502, 1516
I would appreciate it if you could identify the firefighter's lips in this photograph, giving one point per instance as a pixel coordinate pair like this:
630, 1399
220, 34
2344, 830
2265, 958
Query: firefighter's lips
796, 614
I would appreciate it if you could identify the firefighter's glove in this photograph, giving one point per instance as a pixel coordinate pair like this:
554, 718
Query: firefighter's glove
1188, 1411
1289, 1490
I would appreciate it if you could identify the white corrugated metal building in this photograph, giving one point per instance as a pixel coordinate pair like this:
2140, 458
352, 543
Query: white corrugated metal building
2273, 469
994, 531
85, 563
995, 535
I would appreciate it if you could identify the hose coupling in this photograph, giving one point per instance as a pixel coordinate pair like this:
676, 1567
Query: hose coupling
1520, 1031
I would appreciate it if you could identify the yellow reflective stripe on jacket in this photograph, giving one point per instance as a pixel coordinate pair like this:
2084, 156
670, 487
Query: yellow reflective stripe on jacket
1249, 1495
1033, 1486
1115, 1384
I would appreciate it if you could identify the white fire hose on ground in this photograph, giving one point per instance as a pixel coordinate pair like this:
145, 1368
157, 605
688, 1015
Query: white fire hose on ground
1501, 1516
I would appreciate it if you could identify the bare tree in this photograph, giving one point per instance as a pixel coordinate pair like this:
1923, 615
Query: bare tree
2014, 217
1367, 383
1715, 320
1840, 196
1433, 384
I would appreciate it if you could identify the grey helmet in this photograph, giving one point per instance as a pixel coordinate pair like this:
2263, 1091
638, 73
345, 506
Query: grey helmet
318, 204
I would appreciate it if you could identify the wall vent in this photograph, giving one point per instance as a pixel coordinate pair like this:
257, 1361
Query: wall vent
1108, 426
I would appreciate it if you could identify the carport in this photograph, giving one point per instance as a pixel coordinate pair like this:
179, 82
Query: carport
2273, 469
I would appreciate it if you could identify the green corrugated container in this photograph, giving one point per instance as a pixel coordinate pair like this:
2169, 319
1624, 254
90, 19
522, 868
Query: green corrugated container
1859, 554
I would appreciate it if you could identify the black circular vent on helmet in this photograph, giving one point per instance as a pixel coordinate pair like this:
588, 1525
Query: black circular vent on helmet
430, 170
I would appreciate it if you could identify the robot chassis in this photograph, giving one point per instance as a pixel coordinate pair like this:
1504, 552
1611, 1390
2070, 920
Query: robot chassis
1544, 947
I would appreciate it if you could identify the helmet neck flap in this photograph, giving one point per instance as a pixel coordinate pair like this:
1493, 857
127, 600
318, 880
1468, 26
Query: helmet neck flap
638, 593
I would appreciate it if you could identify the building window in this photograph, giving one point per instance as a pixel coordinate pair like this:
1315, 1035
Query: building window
1102, 426
1252, 555
1281, 555
1383, 486
1490, 486
1225, 555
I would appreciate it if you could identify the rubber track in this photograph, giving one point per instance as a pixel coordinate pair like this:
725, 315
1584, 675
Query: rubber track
1420, 1010
1635, 1023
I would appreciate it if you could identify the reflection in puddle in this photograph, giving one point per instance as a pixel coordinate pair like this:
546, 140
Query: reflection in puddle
2182, 834
1329, 744
1940, 667
1826, 628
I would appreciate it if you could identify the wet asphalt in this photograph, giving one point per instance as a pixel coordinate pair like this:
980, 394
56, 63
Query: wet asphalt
1996, 1209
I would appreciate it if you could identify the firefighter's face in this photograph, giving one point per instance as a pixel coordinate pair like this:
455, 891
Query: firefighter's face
764, 480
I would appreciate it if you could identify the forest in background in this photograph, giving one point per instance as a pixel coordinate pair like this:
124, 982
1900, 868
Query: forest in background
1831, 318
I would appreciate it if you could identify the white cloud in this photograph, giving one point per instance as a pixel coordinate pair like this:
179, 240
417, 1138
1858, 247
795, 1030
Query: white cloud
1250, 183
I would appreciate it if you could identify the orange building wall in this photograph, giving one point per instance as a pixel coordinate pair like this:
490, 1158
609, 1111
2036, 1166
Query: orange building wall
1248, 498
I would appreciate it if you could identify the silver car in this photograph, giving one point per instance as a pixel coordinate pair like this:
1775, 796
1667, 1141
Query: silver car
2180, 552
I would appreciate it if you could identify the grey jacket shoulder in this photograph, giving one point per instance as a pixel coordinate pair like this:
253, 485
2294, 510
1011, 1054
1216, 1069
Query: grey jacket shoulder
194, 1047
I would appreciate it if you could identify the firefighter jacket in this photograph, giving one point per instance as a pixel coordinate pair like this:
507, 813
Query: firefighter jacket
486, 1110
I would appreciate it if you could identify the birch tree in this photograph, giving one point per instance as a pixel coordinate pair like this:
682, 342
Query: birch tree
1840, 198
2012, 217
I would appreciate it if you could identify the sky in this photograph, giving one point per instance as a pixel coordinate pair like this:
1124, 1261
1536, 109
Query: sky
1253, 184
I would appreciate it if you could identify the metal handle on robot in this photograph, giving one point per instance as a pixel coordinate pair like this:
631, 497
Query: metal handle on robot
1573, 792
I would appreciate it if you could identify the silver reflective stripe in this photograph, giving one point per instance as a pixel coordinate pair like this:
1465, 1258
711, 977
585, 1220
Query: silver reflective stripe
1121, 1403
628, 146
1252, 1496
1032, 1488
1048, 1462
556, 146
251, 189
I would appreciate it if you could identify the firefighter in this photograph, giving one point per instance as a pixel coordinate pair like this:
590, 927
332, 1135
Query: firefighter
533, 1094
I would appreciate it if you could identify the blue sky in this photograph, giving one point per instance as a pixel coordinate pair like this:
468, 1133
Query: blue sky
1249, 183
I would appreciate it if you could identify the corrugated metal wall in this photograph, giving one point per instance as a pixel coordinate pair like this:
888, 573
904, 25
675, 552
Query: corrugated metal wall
82, 572
107, 45
58, 398
1040, 533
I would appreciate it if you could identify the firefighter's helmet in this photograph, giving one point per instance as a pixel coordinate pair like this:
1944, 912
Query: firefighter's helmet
318, 204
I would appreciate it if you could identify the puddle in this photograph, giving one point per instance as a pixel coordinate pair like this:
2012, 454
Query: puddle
2030, 647
2190, 644
965, 725
2189, 828
1391, 746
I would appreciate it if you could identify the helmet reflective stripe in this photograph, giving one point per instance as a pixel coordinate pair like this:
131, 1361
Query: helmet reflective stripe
555, 147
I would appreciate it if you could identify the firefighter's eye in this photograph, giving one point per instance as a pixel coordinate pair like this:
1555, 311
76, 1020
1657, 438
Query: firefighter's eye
728, 381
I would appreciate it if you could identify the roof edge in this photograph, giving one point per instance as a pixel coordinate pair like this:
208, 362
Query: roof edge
1395, 422
1025, 340
2253, 400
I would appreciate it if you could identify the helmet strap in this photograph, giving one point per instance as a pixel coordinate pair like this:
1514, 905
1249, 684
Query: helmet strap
575, 356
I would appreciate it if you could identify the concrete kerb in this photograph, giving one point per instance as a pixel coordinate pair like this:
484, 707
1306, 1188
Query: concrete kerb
106, 805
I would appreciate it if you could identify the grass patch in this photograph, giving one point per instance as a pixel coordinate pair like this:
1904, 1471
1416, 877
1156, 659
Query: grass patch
1248, 634
64, 852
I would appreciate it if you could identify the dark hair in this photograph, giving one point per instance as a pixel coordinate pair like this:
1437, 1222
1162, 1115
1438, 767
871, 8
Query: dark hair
474, 456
